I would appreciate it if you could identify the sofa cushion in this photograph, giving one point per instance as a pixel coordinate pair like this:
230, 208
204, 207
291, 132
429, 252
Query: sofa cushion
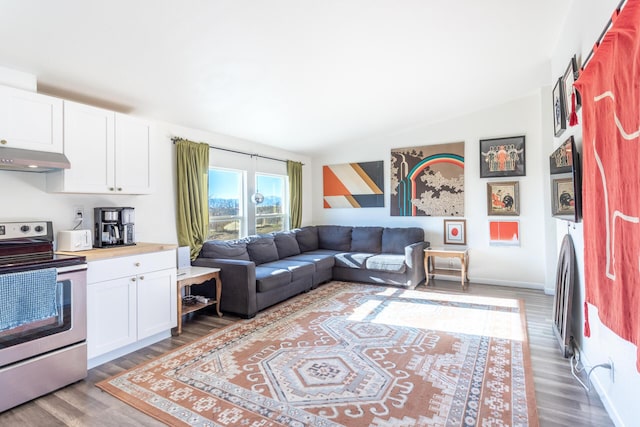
334, 237
323, 260
271, 278
386, 262
307, 238
286, 244
227, 249
352, 259
298, 269
394, 240
366, 239
262, 249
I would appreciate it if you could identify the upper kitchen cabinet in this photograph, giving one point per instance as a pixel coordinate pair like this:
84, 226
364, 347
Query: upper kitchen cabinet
109, 153
30, 120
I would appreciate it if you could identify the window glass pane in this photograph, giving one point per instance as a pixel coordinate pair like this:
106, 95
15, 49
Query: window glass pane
272, 188
225, 204
224, 229
225, 192
270, 213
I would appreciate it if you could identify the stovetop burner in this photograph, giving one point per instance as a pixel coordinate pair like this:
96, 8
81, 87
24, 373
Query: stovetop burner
28, 245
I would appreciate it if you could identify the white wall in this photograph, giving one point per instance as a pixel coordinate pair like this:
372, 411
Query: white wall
23, 195
620, 396
515, 266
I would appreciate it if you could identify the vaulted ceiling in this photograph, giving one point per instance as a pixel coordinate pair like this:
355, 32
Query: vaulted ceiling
296, 74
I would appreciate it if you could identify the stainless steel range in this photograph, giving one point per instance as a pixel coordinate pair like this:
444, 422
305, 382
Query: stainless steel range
43, 317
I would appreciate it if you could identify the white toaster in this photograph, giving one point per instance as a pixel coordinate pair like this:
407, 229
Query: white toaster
74, 240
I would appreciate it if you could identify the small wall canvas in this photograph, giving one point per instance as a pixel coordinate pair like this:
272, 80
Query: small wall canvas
354, 185
428, 180
504, 233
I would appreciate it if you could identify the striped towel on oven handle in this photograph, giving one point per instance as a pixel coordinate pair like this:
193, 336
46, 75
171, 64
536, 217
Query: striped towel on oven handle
27, 296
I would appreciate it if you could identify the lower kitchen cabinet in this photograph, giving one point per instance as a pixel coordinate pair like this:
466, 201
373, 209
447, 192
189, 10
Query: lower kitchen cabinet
130, 300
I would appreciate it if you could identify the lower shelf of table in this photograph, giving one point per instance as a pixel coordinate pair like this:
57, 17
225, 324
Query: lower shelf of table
186, 309
445, 272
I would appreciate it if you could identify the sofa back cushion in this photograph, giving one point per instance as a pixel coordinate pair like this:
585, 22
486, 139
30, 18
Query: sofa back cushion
307, 238
395, 239
286, 244
334, 237
226, 249
262, 249
366, 239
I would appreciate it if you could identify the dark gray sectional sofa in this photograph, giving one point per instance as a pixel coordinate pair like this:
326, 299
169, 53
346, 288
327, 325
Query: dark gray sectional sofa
262, 270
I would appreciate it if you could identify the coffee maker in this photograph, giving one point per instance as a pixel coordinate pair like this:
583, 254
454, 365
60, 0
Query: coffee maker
114, 227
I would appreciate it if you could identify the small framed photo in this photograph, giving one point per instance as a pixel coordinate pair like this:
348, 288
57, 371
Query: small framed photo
504, 233
564, 202
455, 232
559, 109
568, 78
503, 198
501, 157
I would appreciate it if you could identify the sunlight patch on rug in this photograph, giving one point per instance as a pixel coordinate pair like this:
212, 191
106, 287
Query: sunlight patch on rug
348, 355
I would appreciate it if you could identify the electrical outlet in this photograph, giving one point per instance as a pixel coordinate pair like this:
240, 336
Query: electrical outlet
78, 213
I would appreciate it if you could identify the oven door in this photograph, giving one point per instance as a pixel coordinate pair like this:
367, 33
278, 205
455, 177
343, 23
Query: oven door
67, 327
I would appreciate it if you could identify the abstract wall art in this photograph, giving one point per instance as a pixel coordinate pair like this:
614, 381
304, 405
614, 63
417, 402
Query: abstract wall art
428, 180
353, 185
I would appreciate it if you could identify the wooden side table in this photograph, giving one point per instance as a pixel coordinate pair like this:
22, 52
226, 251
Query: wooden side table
460, 253
196, 276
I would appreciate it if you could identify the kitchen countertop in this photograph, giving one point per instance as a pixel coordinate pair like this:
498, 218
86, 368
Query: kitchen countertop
119, 251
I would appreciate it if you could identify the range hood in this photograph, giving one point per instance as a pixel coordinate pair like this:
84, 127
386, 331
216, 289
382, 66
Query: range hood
17, 159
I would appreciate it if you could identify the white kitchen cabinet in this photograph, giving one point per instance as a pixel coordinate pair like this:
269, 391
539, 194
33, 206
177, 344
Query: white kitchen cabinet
30, 120
129, 299
111, 315
109, 153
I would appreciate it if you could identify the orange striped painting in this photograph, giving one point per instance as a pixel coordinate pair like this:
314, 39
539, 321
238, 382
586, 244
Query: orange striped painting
354, 185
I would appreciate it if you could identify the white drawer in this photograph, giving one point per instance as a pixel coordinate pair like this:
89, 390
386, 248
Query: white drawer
109, 269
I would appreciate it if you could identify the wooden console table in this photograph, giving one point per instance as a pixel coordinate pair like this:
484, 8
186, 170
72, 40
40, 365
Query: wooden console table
460, 253
196, 276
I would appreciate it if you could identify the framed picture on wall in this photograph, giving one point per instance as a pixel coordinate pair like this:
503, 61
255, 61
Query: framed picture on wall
559, 110
504, 233
502, 157
455, 232
563, 197
503, 198
568, 78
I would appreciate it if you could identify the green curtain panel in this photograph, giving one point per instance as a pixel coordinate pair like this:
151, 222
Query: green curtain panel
294, 171
193, 209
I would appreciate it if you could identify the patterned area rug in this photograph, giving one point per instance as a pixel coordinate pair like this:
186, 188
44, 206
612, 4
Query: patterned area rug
348, 355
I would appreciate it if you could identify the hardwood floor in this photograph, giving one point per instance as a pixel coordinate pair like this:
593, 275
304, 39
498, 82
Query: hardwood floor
561, 400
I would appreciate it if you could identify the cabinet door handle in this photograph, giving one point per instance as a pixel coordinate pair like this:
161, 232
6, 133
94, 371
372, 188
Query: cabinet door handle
3, 141
119, 188
133, 279
141, 277
111, 188
137, 264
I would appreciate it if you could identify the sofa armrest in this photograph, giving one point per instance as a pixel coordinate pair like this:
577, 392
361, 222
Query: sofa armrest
414, 254
414, 258
238, 284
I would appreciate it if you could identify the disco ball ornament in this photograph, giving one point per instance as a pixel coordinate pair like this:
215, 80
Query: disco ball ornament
257, 198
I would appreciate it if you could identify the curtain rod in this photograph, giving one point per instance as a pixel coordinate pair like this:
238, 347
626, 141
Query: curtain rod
175, 139
603, 33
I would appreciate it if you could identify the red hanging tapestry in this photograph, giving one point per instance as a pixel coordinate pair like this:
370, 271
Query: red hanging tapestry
610, 89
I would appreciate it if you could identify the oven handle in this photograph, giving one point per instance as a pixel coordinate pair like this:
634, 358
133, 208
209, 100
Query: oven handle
70, 268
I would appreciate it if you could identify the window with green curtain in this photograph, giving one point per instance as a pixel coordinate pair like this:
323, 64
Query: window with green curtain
193, 211
294, 171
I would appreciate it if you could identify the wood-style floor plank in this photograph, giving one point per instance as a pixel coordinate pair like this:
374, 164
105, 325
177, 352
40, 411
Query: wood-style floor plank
561, 400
